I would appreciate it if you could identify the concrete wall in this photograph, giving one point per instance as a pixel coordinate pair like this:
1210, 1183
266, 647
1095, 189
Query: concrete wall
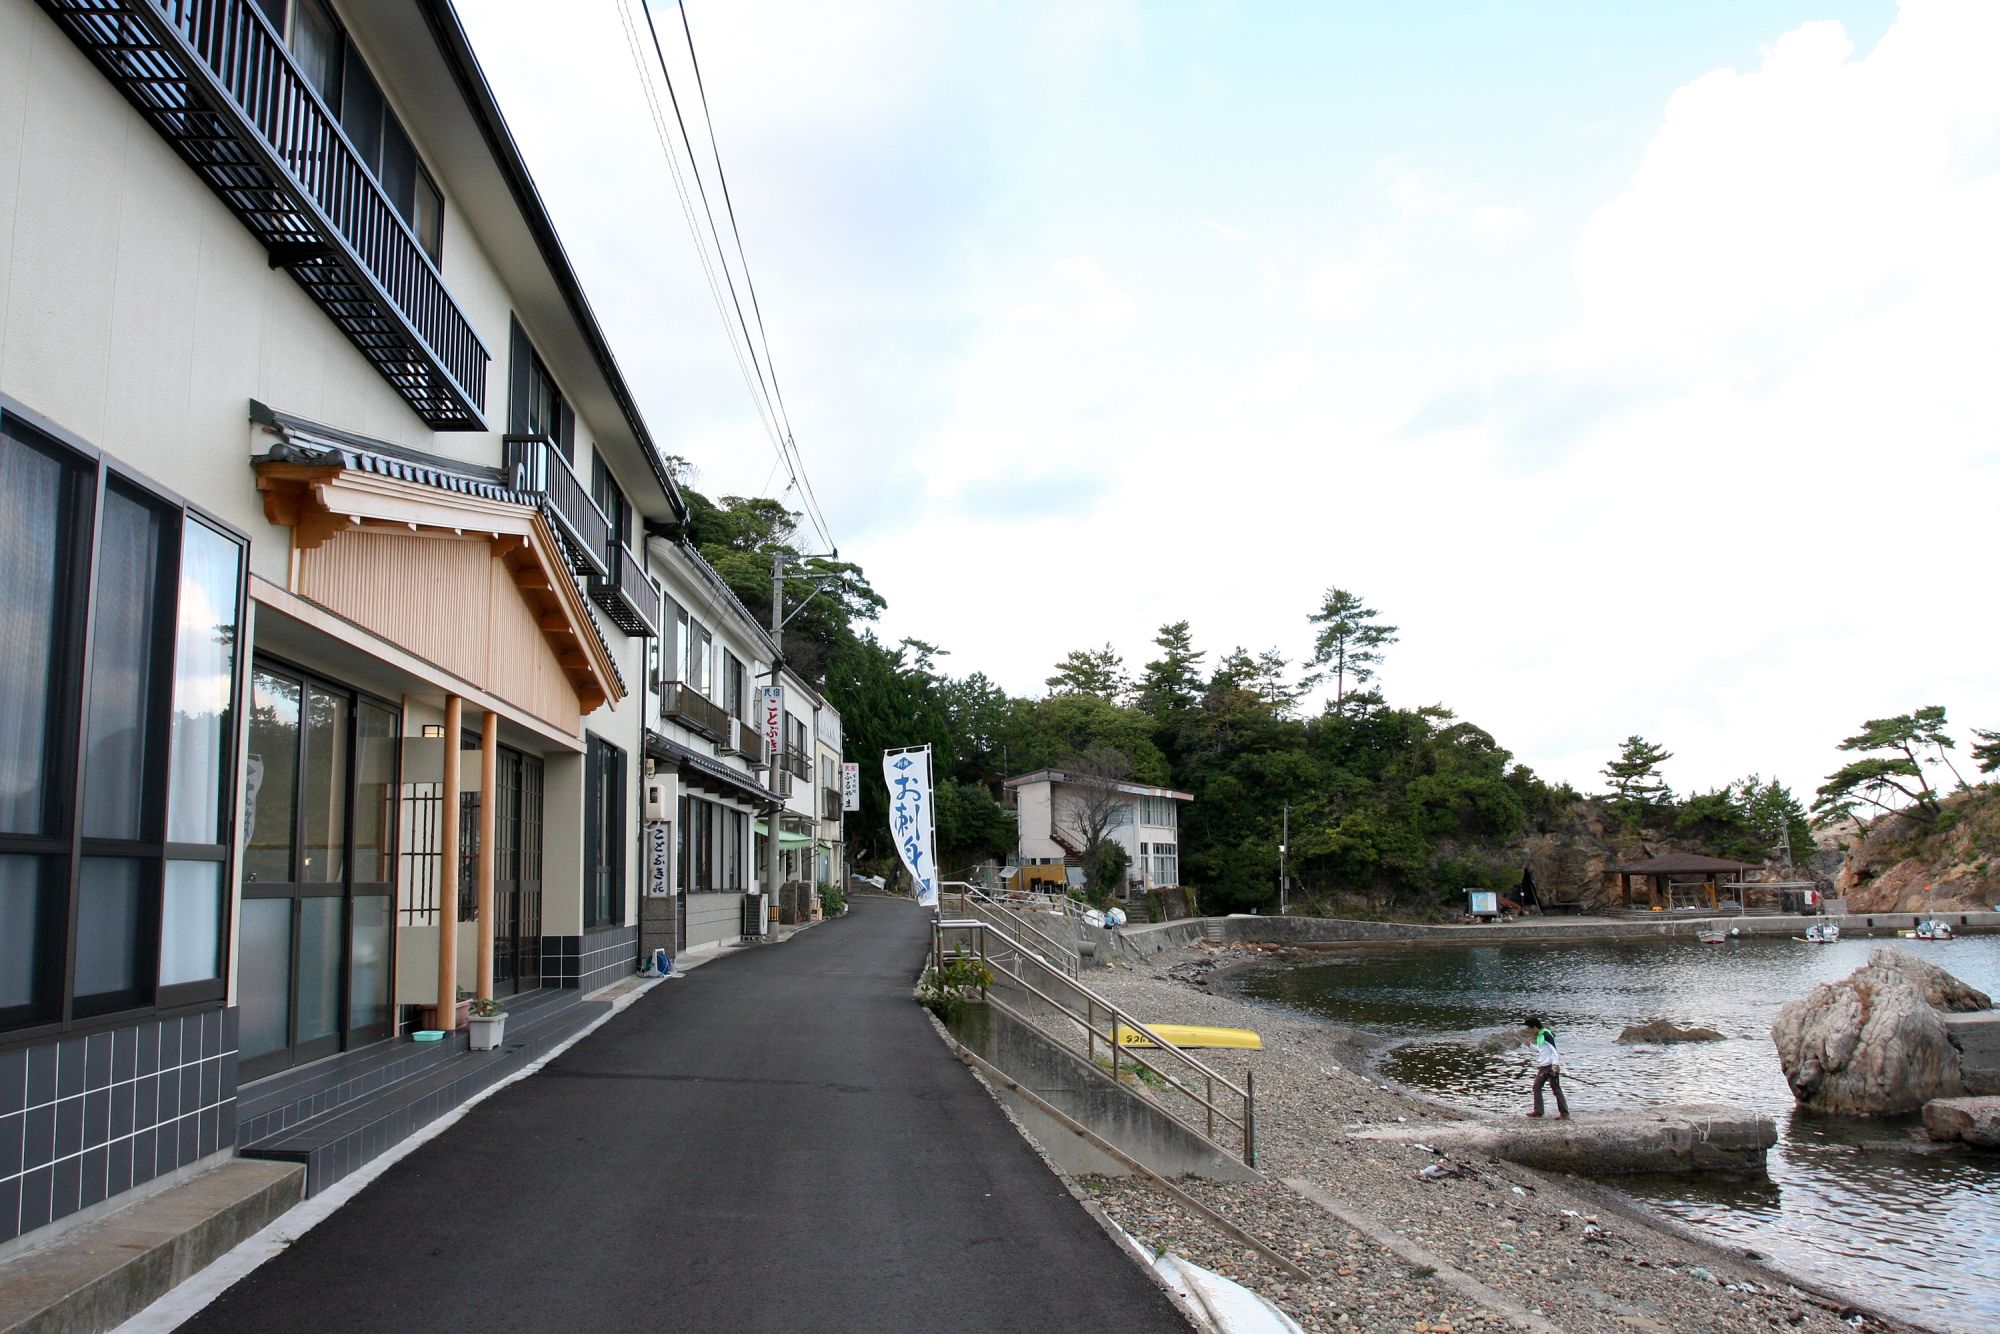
1977, 1037
1033, 811
714, 919
1080, 1090
1153, 939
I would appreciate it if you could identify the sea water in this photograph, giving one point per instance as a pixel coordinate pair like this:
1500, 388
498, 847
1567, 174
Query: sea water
1862, 1206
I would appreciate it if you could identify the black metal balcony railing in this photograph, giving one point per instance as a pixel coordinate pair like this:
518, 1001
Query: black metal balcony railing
218, 85
797, 764
540, 470
626, 595
692, 709
752, 748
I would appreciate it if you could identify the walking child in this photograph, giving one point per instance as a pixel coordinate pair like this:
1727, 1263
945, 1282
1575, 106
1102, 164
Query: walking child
1548, 1068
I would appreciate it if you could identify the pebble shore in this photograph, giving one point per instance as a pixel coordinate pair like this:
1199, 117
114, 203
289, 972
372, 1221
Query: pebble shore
1546, 1251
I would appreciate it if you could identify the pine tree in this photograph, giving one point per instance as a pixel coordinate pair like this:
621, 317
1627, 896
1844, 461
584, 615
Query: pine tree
1172, 683
1088, 671
1634, 776
1348, 642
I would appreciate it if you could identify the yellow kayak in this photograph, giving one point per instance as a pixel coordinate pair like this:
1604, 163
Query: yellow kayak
1192, 1035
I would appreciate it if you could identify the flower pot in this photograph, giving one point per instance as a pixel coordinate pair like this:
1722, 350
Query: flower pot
461, 1013
488, 1030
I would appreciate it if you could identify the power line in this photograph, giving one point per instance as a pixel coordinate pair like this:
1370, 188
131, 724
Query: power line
773, 395
765, 417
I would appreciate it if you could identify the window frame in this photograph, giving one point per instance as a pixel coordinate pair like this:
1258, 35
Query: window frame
62, 845
604, 833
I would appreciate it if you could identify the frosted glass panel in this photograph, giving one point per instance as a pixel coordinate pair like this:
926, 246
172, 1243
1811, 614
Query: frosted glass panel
21, 911
323, 841
110, 927
264, 976
368, 969
124, 616
33, 535
270, 779
204, 683
319, 968
191, 923
375, 795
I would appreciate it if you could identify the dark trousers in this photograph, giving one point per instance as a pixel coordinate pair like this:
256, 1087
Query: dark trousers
1552, 1076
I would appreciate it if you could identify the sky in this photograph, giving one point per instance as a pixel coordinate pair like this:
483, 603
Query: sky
1636, 362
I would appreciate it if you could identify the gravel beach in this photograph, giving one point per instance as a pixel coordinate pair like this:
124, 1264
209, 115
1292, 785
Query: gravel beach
1423, 1241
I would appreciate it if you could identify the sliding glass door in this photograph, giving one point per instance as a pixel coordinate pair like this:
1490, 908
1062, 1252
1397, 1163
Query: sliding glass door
318, 870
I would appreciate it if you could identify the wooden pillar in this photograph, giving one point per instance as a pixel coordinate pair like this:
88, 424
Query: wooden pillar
489, 777
447, 989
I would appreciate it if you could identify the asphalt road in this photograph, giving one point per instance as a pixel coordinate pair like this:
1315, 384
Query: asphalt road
776, 1141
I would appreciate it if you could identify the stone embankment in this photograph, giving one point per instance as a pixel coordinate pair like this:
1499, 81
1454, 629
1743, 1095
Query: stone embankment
1398, 1236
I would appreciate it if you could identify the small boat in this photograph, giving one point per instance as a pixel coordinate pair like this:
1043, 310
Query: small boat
1928, 930
1714, 935
1821, 933
1192, 1035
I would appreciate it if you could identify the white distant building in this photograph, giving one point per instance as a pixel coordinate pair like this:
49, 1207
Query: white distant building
1055, 810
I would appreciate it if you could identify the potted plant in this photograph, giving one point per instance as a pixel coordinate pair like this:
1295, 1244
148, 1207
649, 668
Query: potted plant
428, 1016
488, 1023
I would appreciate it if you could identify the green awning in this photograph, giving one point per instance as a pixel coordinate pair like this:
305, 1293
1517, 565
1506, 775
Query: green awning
787, 839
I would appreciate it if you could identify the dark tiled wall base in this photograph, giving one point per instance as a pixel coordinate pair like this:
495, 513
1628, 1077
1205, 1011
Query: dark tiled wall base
592, 960
84, 1119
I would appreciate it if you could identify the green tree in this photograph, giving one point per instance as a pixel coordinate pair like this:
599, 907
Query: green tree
1776, 820
888, 698
1892, 779
1986, 750
1349, 643
1635, 775
1172, 682
1087, 671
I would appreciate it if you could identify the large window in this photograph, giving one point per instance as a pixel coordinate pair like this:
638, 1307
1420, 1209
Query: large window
534, 405
603, 834
322, 51
1160, 864
610, 498
120, 615
1157, 812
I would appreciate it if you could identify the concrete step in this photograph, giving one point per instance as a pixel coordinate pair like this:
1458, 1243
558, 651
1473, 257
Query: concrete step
1212, 931
270, 1106
98, 1275
1695, 1137
337, 1142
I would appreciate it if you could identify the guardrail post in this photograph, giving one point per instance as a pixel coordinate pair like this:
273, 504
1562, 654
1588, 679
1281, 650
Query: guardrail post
1090, 1029
1249, 1118
984, 971
1209, 1103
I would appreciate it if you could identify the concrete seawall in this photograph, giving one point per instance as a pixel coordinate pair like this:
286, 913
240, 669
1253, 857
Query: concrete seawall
1157, 938
1700, 1137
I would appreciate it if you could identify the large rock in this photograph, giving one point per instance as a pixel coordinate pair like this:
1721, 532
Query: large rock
1974, 1121
1941, 990
1869, 1045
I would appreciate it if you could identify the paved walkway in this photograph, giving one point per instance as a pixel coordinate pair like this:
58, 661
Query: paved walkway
776, 1141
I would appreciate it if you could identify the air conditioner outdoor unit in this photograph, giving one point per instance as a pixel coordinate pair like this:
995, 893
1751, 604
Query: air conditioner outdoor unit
781, 782
736, 735
663, 793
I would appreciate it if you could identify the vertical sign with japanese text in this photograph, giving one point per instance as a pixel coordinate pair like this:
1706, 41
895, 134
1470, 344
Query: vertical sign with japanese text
908, 773
850, 786
774, 722
659, 859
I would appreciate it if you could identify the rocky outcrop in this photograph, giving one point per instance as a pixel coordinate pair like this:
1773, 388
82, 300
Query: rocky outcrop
1666, 1030
1941, 990
1974, 1121
1898, 863
1871, 1044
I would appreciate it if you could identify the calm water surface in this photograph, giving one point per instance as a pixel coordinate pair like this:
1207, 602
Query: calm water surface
1860, 1205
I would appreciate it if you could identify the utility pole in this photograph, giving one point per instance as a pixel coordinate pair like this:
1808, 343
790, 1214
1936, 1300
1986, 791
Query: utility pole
1284, 841
773, 856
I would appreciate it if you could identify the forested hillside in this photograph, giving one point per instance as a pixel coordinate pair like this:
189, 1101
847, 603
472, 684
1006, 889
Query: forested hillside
1392, 809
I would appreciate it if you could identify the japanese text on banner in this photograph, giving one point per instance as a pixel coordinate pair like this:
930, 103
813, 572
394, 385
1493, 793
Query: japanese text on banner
908, 773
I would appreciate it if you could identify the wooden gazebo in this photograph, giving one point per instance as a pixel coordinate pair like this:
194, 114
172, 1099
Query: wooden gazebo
1682, 866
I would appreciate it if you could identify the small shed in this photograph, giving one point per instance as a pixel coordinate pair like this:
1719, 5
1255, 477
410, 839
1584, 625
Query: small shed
1679, 867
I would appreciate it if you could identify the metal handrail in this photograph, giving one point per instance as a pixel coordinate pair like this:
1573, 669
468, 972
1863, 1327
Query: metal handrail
1115, 1018
974, 899
540, 469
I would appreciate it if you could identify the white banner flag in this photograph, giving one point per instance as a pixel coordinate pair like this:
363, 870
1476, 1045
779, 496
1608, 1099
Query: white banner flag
850, 786
774, 721
909, 776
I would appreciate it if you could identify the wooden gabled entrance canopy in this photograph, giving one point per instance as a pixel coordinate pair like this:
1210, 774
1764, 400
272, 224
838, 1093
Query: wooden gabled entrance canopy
442, 559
